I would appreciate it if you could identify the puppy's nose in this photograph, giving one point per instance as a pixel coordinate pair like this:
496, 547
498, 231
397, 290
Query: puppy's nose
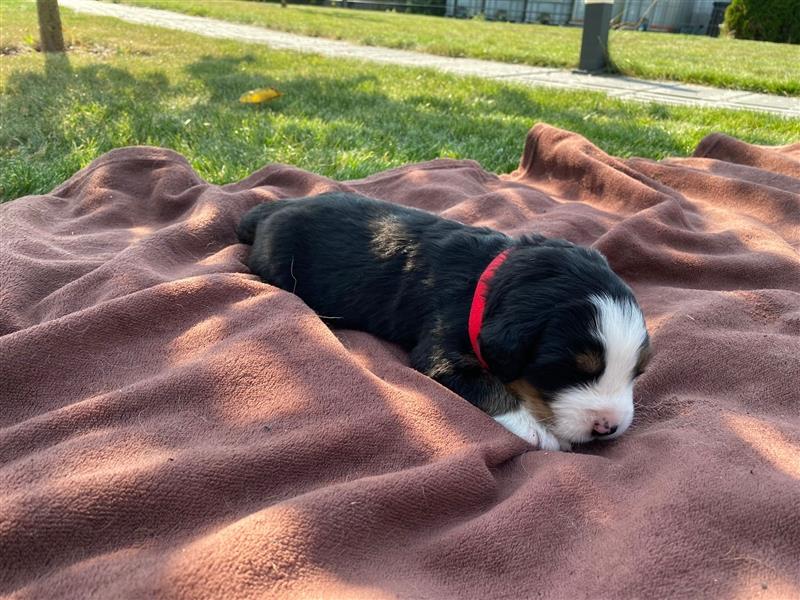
603, 427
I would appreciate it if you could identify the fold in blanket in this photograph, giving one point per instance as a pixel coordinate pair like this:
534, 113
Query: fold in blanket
172, 427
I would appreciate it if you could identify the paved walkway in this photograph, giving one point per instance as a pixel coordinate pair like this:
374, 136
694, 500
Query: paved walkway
625, 88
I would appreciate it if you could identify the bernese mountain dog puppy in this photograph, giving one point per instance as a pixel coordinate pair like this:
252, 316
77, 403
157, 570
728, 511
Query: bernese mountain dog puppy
539, 333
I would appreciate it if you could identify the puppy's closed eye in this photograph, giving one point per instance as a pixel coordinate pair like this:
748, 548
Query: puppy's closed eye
590, 362
644, 358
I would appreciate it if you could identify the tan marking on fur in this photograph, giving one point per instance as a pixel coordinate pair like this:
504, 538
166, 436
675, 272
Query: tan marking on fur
589, 362
532, 399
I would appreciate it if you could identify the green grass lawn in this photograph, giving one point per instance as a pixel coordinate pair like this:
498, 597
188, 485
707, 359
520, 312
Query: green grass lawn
123, 84
739, 64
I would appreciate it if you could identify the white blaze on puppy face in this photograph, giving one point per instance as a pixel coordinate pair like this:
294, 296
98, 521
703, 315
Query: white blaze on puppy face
621, 329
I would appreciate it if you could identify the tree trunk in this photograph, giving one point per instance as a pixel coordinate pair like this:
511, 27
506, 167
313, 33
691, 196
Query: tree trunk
52, 39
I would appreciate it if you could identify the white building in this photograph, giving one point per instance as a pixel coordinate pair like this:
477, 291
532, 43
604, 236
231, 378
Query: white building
685, 16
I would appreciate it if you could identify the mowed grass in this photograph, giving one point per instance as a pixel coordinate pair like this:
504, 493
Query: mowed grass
728, 63
124, 85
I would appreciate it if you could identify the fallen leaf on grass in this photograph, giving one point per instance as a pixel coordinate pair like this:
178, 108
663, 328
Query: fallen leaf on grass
260, 95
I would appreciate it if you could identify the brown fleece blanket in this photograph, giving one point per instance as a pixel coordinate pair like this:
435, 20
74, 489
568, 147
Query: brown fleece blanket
172, 427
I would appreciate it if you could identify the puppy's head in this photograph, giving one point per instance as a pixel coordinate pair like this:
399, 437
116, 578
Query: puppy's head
567, 337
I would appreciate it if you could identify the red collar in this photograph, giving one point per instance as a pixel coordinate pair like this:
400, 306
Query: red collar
479, 304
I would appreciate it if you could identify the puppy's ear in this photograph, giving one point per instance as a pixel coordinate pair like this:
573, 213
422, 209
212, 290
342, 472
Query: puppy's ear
508, 343
514, 319
521, 299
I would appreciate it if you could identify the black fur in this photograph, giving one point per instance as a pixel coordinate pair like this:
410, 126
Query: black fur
409, 276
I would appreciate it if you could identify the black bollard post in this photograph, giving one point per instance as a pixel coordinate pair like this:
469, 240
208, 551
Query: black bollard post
594, 47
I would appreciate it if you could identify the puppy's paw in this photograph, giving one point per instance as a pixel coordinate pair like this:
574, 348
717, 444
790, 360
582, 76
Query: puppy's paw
523, 424
546, 440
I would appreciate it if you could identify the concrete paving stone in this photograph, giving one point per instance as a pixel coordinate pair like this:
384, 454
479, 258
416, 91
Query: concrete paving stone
543, 81
772, 101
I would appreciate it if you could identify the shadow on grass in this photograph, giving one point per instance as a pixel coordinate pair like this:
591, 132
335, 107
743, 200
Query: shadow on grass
356, 113
345, 125
63, 117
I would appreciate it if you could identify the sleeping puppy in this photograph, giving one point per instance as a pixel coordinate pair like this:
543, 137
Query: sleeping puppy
538, 333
